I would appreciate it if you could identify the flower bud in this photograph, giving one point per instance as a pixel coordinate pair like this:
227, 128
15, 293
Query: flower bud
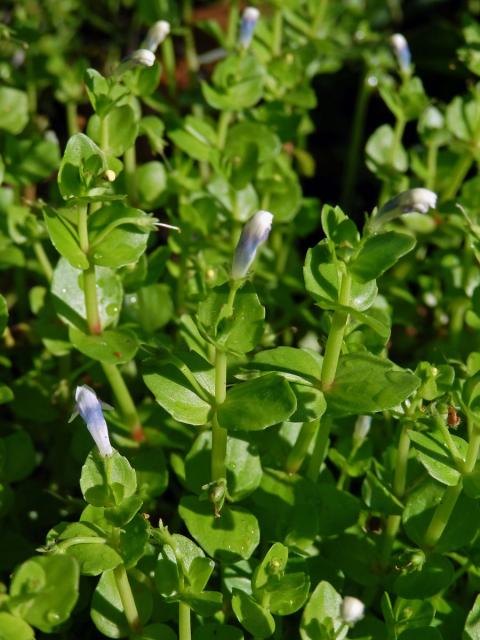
411, 201
362, 427
90, 409
140, 57
254, 233
156, 35
401, 51
352, 609
249, 20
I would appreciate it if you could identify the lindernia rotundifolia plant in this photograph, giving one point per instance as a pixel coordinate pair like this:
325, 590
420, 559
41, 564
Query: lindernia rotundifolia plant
291, 449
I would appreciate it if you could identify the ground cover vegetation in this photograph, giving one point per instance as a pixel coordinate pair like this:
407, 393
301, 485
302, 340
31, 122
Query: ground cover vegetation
239, 315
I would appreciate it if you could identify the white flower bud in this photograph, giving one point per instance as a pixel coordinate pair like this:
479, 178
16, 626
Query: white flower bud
156, 35
249, 20
90, 409
254, 233
110, 175
352, 609
412, 201
140, 57
362, 427
402, 52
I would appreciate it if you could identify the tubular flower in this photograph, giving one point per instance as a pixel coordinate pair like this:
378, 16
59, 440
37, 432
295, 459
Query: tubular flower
156, 35
90, 409
412, 201
249, 20
401, 51
139, 58
254, 233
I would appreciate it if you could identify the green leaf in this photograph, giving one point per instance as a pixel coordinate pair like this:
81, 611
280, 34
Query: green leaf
196, 138
64, 238
106, 482
133, 541
107, 609
93, 557
435, 575
257, 404
14, 628
471, 630
154, 129
322, 282
296, 365
151, 179
230, 537
378, 253
272, 565
378, 497
18, 456
121, 129
123, 244
384, 156
435, 456
338, 227
167, 573
251, 615
114, 346
151, 307
157, 631
337, 511
82, 164
13, 110
174, 391
367, 384
240, 332
3, 314
321, 616
69, 297
35, 593
205, 604
425, 633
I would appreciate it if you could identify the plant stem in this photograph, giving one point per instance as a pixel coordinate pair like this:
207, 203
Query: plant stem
399, 484
334, 344
190, 49
277, 35
320, 16
168, 58
319, 450
126, 596
89, 278
184, 627
232, 27
223, 124
445, 509
43, 260
219, 435
103, 134
432, 156
396, 142
130, 166
72, 118
458, 176
299, 451
356, 139
124, 400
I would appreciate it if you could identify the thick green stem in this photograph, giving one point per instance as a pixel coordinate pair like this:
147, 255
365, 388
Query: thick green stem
126, 596
356, 139
103, 135
184, 627
72, 118
168, 58
43, 260
319, 451
432, 156
445, 509
277, 35
219, 435
223, 124
300, 448
458, 176
91, 301
190, 49
130, 167
399, 485
319, 19
334, 344
124, 400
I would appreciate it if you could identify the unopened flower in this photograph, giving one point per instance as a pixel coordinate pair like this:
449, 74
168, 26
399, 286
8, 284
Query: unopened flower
249, 20
90, 409
156, 35
402, 52
139, 58
254, 233
362, 427
412, 201
352, 609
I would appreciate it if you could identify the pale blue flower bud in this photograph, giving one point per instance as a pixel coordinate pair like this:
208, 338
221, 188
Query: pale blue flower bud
401, 51
249, 20
352, 609
412, 201
90, 409
254, 233
156, 35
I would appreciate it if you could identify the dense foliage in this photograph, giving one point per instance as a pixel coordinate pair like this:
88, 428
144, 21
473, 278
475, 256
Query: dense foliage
292, 445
